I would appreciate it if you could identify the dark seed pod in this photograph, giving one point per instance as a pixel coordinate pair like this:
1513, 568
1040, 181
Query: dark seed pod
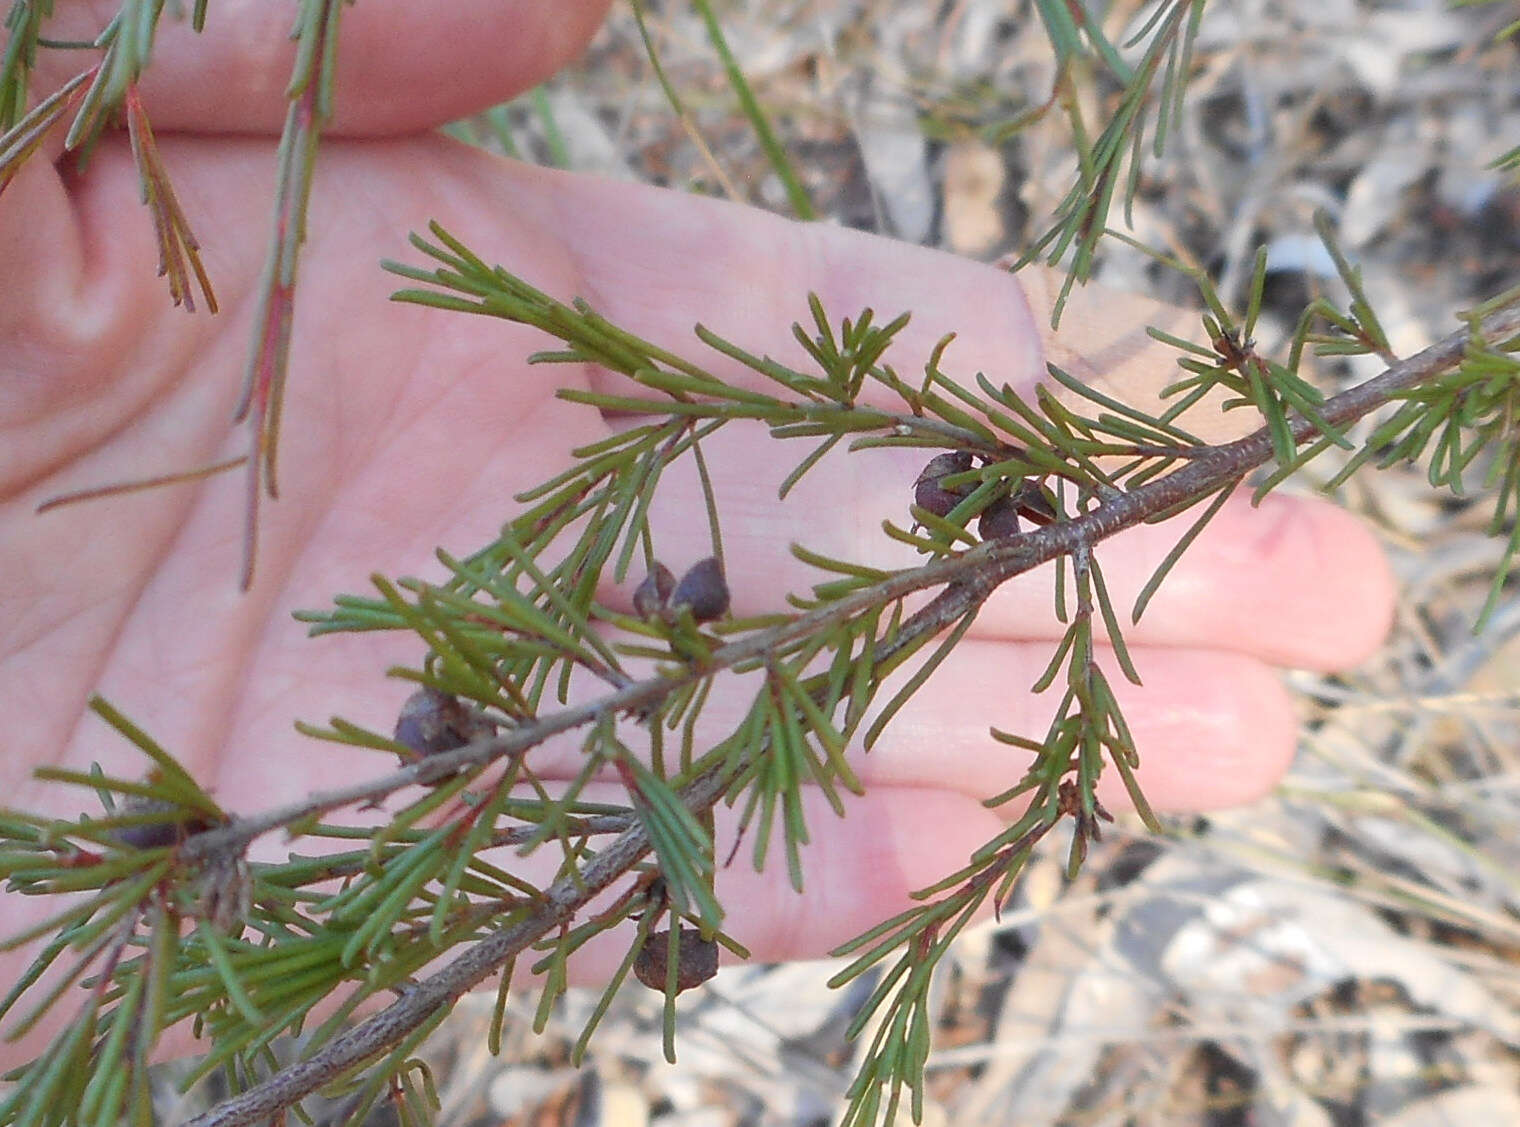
999, 519
650, 596
176, 823
929, 494
703, 589
432, 722
698, 960
1036, 504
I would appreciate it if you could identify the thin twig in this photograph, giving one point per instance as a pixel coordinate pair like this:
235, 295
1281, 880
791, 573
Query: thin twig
968, 579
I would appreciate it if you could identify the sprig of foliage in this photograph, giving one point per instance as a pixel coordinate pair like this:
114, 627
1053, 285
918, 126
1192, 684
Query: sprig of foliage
172, 925
311, 100
1465, 418
1113, 158
506, 626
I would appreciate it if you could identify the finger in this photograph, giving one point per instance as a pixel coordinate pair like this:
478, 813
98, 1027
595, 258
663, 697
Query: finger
654, 261
1294, 581
403, 66
648, 258
1211, 730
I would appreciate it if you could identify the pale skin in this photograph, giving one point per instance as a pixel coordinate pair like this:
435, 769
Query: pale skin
410, 428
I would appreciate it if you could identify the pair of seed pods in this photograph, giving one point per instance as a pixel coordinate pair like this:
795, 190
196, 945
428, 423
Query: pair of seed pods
432, 722
1000, 518
702, 589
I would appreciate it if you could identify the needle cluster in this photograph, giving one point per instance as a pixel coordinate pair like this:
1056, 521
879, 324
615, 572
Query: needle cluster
162, 919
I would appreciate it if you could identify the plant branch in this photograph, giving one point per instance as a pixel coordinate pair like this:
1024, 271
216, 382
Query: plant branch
968, 579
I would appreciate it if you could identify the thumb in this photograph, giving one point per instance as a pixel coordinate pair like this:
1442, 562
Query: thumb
403, 65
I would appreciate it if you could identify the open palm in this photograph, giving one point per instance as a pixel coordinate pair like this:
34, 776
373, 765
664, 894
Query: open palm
408, 428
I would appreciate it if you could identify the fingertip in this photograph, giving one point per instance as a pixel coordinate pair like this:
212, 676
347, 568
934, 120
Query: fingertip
403, 66
1222, 734
1337, 591
408, 66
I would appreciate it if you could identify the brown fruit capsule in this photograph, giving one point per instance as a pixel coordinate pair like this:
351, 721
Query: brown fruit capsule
1036, 503
432, 722
698, 960
999, 519
704, 590
650, 596
176, 823
929, 494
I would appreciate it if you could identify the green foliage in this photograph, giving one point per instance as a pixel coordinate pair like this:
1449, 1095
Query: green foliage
507, 629
168, 923
1114, 156
796, 194
1464, 417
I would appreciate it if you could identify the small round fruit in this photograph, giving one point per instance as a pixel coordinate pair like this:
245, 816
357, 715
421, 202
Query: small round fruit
650, 596
176, 825
929, 494
704, 590
697, 960
432, 722
999, 519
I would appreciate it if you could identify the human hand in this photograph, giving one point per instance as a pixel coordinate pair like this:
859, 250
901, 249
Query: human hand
409, 428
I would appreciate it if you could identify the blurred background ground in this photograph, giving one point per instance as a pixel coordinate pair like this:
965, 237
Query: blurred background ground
1343, 953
